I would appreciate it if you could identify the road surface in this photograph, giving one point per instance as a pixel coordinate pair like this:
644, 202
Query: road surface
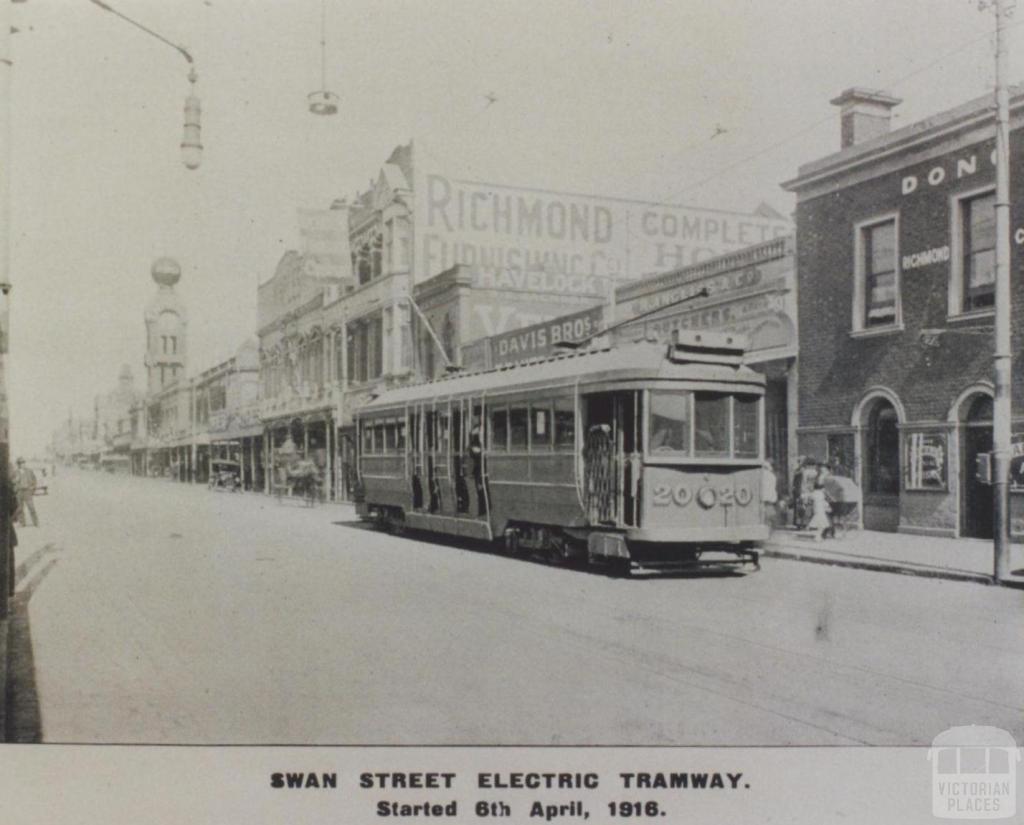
154, 612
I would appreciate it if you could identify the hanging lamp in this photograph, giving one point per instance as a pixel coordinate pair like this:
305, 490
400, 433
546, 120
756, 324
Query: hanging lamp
323, 102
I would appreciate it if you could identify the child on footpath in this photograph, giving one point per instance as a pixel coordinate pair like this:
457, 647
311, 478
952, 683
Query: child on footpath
820, 522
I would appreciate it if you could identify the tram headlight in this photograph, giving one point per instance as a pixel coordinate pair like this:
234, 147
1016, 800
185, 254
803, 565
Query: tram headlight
706, 497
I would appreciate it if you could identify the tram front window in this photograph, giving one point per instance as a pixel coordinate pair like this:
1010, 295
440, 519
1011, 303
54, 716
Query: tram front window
670, 423
711, 424
705, 425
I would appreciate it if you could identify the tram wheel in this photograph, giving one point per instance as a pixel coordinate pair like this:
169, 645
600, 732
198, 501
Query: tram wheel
559, 553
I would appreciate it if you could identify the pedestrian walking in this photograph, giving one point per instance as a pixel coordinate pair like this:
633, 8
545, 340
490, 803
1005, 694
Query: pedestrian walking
9, 503
25, 486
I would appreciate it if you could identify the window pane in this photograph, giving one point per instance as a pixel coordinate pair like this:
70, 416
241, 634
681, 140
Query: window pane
540, 437
367, 438
400, 436
745, 426
565, 424
981, 215
982, 272
499, 430
670, 422
518, 422
880, 274
390, 438
378, 439
711, 424
979, 240
883, 247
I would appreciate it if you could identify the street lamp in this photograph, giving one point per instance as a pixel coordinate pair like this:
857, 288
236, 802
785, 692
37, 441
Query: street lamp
191, 146
323, 102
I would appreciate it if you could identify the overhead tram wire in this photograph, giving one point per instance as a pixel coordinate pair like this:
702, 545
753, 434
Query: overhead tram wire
703, 292
667, 199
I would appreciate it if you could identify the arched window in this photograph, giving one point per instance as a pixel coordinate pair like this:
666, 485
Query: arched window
882, 449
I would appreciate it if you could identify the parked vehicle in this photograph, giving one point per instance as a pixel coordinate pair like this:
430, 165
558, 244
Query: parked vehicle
225, 475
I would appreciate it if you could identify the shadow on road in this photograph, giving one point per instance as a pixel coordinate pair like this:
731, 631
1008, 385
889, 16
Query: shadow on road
496, 549
24, 721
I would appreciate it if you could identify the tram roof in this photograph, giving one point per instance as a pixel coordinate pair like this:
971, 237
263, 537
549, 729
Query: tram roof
629, 362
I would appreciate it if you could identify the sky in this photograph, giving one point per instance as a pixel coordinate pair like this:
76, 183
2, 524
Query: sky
615, 98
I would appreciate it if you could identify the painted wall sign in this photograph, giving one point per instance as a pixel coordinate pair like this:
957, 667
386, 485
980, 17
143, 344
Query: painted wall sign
938, 254
495, 228
940, 173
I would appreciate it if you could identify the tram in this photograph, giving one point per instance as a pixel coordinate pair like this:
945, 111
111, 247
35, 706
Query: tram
641, 456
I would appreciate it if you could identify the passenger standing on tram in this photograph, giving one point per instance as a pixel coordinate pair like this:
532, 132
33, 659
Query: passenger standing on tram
476, 455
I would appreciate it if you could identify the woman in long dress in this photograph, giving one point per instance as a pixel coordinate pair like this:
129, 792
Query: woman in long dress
820, 522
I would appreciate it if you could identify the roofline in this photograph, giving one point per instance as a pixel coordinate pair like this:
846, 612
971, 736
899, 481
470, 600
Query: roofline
931, 129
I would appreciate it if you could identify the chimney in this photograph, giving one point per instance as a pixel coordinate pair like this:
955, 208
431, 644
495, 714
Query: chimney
864, 114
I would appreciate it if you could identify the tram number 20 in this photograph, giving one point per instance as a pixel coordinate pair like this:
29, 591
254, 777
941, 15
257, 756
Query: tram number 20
681, 495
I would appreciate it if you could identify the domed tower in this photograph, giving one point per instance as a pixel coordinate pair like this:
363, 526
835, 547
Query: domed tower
166, 326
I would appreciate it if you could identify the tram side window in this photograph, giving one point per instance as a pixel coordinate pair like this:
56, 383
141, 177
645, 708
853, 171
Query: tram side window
540, 435
367, 439
670, 423
745, 426
390, 437
379, 442
711, 424
499, 430
400, 436
518, 429
565, 424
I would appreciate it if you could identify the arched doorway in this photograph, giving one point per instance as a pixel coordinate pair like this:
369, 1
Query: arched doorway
881, 465
976, 501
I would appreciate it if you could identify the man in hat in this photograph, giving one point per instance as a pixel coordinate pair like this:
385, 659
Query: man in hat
25, 486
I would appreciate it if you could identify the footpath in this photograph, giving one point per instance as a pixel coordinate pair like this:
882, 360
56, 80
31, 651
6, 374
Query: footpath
940, 558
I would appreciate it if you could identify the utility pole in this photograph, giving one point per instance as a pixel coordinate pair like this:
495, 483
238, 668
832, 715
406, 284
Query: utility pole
6, 67
1002, 358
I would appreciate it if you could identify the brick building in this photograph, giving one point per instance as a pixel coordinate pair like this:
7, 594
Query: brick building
895, 238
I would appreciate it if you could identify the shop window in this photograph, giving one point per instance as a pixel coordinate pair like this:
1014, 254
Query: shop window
876, 287
883, 450
365, 349
977, 259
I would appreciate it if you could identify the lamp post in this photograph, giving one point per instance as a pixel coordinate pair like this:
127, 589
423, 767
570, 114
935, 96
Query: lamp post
1001, 430
6, 551
191, 145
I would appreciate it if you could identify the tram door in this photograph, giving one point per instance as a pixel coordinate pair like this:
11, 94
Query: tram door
460, 421
612, 450
467, 483
417, 474
439, 461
